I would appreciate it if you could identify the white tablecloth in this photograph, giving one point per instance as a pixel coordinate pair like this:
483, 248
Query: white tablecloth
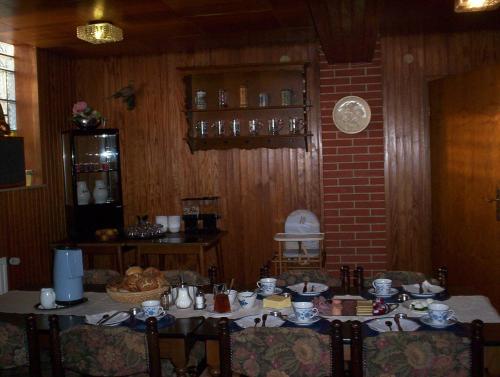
467, 308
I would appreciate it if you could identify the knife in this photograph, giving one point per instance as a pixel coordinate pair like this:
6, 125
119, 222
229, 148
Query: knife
396, 319
102, 322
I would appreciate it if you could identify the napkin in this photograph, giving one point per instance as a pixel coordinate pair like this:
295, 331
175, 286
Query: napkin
92, 319
271, 321
379, 324
428, 288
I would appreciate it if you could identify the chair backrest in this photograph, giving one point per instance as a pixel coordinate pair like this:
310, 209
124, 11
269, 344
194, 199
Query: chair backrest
410, 277
298, 276
99, 276
19, 347
190, 277
105, 351
422, 353
256, 352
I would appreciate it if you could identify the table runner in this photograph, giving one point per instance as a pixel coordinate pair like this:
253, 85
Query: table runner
467, 308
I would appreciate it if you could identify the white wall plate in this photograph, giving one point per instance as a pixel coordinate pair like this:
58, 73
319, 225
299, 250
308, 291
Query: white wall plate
351, 114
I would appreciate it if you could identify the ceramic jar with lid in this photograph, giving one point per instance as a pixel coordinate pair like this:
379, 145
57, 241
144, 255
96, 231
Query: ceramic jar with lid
100, 192
82, 193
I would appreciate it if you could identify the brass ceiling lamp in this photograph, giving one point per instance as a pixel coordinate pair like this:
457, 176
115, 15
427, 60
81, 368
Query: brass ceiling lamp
98, 32
475, 5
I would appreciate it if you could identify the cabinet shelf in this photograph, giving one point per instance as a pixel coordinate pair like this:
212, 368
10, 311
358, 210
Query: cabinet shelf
248, 142
249, 108
96, 171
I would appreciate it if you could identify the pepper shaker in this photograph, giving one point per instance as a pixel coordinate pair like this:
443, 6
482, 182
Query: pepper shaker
166, 299
199, 302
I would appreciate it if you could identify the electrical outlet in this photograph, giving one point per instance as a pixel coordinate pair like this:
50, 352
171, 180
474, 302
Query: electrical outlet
14, 261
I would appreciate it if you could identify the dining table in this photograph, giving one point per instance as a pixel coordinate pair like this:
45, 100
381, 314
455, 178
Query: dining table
192, 325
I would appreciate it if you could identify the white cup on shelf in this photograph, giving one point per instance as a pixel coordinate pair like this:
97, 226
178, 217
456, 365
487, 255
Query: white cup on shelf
163, 221
174, 224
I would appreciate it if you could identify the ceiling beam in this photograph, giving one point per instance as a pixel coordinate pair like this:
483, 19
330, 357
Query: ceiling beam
347, 29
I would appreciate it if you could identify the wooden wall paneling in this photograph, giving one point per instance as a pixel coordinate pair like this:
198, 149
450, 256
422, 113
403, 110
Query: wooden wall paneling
407, 159
258, 188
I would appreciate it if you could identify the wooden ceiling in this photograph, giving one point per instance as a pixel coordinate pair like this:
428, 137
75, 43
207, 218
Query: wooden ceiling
347, 29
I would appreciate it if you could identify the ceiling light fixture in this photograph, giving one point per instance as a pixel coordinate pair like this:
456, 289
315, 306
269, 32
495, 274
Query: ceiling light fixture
98, 32
475, 5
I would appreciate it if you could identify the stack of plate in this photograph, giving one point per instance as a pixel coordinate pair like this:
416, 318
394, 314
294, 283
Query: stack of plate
364, 307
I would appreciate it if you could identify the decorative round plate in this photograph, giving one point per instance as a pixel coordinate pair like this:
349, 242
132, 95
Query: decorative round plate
351, 114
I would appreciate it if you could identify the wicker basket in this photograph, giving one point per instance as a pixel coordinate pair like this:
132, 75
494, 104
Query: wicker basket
136, 297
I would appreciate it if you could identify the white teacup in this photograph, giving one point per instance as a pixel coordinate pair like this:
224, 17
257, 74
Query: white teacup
47, 298
174, 224
267, 285
247, 299
152, 308
163, 221
304, 311
231, 295
440, 313
382, 286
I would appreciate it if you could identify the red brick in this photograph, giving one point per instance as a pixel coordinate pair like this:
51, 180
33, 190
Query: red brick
353, 181
374, 71
369, 173
350, 88
376, 165
331, 197
352, 150
355, 228
337, 142
353, 165
377, 212
333, 81
376, 227
370, 235
340, 220
379, 242
343, 235
374, 87
329, 97
355, 243
370, 204
355, 212
337, 158
338, 190
367, 80
377, 196
337, 204
370, 220
370, 250
338, 174
368, 141
354, 197
368, 157
349, 72
355, 259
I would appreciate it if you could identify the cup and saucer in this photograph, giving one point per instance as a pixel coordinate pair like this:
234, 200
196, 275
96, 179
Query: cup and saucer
151, 308
439, 316
267, 287
304, 314
383, 288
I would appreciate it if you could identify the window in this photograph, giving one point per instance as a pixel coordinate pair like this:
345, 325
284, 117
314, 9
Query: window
8, 84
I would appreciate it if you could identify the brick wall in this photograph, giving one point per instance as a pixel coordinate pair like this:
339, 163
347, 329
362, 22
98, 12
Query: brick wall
353, 170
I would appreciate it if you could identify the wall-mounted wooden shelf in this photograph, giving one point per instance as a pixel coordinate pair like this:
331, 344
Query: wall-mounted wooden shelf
248, 142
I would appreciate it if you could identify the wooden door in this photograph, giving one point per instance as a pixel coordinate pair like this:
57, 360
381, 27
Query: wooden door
465, 164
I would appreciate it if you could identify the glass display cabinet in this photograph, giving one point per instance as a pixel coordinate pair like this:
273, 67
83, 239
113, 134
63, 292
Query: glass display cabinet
92, 179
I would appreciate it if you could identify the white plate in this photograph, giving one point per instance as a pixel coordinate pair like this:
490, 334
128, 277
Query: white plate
271, 321
351, 114
425, 302
292, 318
392, 292
115, 321
142, 317
427, 321
430, 290
313, 289
277, 291
379, 324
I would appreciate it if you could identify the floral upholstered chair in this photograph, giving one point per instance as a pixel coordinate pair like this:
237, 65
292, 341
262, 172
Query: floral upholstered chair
420, 353
13, 350
298, 276
99, 276
106, 351
189, 277
401, 277
280, 352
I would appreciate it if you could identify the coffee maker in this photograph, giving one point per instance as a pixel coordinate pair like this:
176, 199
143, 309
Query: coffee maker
200, 215
68, 276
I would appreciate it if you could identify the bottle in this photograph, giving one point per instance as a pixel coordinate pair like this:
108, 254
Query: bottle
243, 96
199, 301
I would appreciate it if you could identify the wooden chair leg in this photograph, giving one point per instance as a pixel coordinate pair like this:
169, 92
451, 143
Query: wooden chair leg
477, 348
33, 346
153, 347
337, 353
356, 350
55, 347
224, 348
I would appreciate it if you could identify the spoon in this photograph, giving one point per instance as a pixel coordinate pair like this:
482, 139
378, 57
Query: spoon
389, 325
257, 321
264, 318
396, 319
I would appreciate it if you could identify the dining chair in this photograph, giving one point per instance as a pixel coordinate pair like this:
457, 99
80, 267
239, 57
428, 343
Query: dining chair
280, 351
190, 277
108, 351
417, 353
19, 349
298, 276
410, 277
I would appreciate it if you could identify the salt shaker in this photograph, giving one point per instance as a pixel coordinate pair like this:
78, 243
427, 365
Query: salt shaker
165, 299
199, 301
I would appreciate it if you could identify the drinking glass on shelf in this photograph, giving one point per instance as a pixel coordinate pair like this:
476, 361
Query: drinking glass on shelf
200, 99
219, 127
202, 128
295, 125
254, 125
286, 97
274, 126
235, 127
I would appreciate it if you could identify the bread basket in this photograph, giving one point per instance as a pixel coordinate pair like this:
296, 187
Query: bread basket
136, 297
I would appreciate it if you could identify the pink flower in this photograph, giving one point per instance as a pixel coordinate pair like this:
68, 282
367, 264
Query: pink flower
79, 107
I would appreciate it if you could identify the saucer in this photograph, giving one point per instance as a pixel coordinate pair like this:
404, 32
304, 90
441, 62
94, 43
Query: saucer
142, 317
393, 292
313, 289
426, 320
292, 318
277, 291
380, 324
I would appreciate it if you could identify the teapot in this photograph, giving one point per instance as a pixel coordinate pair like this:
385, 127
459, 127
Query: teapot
183, 300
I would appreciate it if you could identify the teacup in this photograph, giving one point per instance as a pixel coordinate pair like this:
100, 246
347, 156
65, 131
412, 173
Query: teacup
247, 299
231, 295
267, 285
304, 311
152, 308
382, 286
439, 313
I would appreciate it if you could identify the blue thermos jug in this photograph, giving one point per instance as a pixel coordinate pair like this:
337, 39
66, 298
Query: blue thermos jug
68, 275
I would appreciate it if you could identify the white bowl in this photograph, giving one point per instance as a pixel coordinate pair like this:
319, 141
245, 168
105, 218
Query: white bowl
247, 299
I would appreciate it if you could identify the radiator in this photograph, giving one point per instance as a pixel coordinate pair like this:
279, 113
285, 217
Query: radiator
4, 278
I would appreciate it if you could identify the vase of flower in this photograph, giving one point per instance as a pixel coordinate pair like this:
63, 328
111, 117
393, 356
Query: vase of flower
86, 118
